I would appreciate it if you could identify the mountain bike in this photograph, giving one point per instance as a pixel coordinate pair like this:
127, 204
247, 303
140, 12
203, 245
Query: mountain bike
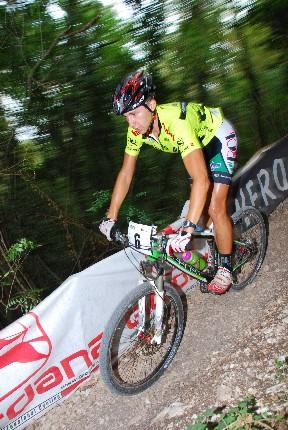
144, 333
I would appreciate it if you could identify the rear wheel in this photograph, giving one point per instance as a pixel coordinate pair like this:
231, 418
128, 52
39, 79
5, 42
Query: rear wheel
129, 361
250, 242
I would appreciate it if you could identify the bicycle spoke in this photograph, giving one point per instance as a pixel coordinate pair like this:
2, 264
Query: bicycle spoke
133, 357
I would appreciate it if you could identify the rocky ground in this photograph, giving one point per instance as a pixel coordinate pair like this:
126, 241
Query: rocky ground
228, 352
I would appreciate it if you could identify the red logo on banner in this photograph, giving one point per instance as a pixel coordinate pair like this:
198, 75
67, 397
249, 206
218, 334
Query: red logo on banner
24, 350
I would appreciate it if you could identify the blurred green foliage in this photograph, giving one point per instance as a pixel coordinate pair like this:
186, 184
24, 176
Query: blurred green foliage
59, 142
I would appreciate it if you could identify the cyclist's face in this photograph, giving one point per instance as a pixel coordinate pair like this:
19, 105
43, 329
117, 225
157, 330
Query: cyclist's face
140, 118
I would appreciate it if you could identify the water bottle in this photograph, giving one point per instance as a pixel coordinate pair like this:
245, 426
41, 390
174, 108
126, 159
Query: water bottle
195, 259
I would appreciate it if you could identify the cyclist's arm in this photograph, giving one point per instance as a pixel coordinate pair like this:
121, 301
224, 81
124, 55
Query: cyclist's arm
196, 167
122, 185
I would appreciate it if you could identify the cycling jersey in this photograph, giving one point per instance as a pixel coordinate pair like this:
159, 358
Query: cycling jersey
183, 128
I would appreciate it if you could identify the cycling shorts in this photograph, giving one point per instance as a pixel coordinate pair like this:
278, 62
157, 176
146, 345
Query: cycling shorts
221, 153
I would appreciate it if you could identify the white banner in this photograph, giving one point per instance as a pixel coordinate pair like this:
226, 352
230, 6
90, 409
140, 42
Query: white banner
49, 352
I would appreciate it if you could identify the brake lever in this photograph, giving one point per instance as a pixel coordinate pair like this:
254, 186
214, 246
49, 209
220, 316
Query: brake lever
121, 238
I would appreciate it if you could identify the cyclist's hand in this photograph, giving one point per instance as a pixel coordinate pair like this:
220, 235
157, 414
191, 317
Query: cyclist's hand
178, 243
108, 228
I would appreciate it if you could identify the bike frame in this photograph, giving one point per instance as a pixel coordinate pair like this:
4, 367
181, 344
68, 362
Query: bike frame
161, 256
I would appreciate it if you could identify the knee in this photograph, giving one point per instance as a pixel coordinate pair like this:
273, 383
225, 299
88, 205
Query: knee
212, 211
217, 211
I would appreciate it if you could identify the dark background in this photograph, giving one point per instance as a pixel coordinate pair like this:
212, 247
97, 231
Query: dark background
57, 76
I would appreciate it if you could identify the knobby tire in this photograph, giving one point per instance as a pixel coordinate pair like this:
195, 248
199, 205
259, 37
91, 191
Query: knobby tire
250, 242
130, 364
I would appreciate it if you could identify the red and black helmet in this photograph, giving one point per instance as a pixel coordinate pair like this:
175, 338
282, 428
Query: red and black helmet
132, 91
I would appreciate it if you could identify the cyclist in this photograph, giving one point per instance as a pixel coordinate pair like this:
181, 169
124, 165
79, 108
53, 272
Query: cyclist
207, 143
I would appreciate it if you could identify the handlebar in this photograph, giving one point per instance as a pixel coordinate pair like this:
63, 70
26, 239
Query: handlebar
120, 238
135, 239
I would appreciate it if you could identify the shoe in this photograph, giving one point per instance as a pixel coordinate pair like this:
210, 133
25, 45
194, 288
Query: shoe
221, 282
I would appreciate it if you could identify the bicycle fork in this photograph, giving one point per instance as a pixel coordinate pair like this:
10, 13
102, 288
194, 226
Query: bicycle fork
158, 311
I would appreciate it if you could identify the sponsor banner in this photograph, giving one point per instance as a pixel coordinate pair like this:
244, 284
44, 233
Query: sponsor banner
263, 181
46, 354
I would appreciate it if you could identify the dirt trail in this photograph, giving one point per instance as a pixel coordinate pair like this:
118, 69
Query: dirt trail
228, 351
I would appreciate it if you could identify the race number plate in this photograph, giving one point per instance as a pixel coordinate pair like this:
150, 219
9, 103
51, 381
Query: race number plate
139, 236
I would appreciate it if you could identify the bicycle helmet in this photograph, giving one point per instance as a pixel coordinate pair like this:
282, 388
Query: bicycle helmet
133, 91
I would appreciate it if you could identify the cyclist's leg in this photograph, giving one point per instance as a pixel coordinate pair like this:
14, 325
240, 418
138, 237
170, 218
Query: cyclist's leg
205, 220
221, 156
220, 218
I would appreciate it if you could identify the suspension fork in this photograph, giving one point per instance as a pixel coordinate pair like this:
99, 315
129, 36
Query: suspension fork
159, 308
158, 286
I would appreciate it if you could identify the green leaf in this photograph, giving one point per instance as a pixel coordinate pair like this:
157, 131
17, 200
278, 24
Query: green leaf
197, 426
21, 246
209, 412
102, 198
221, 425
229, 418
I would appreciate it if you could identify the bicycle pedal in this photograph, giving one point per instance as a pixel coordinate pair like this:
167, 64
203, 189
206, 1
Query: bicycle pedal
209, 272
204, 287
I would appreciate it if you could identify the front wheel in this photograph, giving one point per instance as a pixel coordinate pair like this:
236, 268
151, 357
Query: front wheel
130, 361
250, 242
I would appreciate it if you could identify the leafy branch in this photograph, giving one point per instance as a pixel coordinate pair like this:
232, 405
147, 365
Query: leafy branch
14, 258
66, 33
244, 416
